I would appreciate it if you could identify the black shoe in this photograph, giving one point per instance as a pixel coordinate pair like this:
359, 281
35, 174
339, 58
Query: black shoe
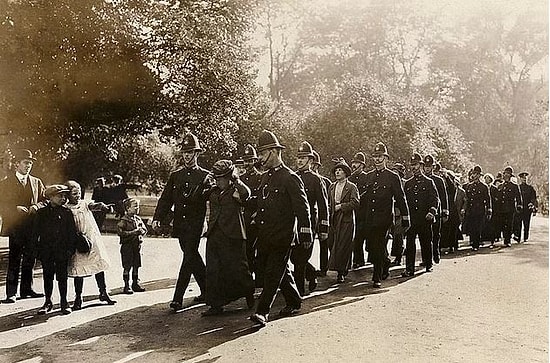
127, 290
137, 288
340, 279
508, 244
385, 274
377, 284
77, 304
31, 294
9, 300
212, 311
429, 269
320, 273
475, 249
436, 260
288, 311
65, 310
46, 308
407, 274
422, 264
175, 305
103, 296
312, 285
199, 299
250, 301
260, 319
395, 262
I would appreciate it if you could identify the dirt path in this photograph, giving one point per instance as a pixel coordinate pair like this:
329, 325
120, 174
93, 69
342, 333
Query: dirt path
491, 306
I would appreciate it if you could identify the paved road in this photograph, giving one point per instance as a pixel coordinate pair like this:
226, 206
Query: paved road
491, 306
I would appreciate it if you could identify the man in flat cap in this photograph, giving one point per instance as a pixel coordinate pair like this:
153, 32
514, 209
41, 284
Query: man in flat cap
423, 204
21, 195
318, 206
187, 192
283, 220
359, 178
382, 191
478, 207
530, 206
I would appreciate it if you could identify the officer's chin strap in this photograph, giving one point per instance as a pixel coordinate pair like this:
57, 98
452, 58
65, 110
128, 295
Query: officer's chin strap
266, 160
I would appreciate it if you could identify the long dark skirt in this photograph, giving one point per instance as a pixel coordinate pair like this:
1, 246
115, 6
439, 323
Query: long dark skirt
341, 246
227, 275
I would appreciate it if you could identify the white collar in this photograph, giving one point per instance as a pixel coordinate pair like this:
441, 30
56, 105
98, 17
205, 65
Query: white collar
21, 176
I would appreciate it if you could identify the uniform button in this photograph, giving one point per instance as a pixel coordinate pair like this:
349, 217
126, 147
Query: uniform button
372, 210
373, 201
261, 210
415, 208
185, 205
261, 222
183, 217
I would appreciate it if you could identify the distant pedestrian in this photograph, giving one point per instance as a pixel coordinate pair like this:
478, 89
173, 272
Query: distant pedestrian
131, 230
343, 201
227, 274
530, 207
54, 235
510, 204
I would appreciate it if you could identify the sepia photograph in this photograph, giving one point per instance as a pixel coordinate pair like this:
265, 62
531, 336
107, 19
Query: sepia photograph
274, 181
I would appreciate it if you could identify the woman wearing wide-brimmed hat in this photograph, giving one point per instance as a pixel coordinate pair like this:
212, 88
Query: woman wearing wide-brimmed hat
343, 200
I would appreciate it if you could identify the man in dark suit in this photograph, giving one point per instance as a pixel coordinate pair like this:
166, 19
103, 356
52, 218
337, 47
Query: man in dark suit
382, 191
21, 195
530, 205
187, 191
510, 203
283, 220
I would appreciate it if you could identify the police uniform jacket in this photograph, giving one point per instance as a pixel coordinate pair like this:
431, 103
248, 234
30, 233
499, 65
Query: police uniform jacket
12, 194
510, 197
496, 198
478, 198
528, 196
54, 233
422, 198
441, 193
187, 192
382, 189
225, 211
282, 202
252, 180
360, 180
317, 198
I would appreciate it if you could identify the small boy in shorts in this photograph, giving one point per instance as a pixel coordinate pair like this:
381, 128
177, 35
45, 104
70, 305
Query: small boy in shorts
131, 230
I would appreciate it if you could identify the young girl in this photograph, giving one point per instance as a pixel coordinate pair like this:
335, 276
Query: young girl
131, 230
93, 262
227, 274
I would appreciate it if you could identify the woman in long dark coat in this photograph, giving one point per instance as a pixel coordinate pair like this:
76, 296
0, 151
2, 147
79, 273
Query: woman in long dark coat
227, 274
343, 200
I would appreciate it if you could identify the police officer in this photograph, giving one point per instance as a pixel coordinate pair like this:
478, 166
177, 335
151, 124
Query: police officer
478, 206
323, 244
510, 203
187, 191
397, 230
283, 210
382, 191
443, 210
318, 207
423, 204
359, 178
530, 205
252, 180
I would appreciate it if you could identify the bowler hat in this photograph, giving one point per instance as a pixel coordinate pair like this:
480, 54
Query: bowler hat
305, 150
23, 154
190, 143
268, 140
490, 176
359, 157
316, 158
341, 163
380, 149
523, 173
55, 189
509, 170
249, 153
222, 168
416, 159
499, 176
429, 160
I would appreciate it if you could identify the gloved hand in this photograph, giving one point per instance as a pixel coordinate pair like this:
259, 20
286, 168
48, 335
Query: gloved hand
305, 240
155, 225
430, 216
489, 214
